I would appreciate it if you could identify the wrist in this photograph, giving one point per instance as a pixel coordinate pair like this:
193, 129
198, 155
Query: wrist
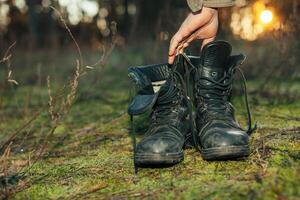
209, 9
206, 11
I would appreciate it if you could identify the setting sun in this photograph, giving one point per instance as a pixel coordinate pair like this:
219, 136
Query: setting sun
266, 16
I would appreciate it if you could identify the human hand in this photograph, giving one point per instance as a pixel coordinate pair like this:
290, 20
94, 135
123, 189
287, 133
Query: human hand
202, 25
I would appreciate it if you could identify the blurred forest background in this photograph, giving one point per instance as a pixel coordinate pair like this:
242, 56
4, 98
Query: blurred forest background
36, 25
64, 93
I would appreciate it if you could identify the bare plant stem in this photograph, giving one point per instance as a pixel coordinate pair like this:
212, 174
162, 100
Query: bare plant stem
70, 34
64, 98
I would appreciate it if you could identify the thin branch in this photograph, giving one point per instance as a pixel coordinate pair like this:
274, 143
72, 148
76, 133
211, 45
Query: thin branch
70, 34
6, 55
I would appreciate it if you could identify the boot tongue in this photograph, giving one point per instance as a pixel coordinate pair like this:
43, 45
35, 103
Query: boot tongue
214, 59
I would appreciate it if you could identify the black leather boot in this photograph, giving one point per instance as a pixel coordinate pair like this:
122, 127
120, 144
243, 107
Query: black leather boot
164, 141
219, 136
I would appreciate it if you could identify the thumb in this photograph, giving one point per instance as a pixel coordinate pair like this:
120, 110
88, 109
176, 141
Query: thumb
206, 41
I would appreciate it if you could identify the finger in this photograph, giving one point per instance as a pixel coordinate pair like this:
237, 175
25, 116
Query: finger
181, 51
184, 42
178, 50
185, 31
181, 48
206, 41
171, 59
189, 26
202, 34
191, 38
175, 42
185, 45
199, 34
173, 46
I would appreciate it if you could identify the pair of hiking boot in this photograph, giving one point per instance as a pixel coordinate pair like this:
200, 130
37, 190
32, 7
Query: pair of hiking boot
171, 91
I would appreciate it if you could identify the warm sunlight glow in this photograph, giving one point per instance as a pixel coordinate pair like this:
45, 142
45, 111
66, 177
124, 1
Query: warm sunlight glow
266, 16
251, 22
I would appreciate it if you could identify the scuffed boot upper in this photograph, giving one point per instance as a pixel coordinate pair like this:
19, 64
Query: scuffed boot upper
215, 118
166, 133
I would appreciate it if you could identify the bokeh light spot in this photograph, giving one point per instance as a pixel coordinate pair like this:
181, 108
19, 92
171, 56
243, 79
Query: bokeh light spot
103, 12
90, 8
101, 24
4, 19
252, 22
266, 16
132, 9
120, 10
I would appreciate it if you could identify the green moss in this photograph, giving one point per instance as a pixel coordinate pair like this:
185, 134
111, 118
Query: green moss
90, 153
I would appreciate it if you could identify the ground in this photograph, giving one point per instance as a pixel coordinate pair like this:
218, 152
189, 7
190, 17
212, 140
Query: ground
89, 155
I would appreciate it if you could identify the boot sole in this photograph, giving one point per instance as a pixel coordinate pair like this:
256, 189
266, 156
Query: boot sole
155, 159
225, 153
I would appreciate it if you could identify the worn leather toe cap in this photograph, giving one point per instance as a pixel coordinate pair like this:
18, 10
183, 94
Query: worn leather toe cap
161, 143
223, 136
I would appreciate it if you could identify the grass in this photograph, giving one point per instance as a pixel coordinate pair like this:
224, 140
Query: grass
90, 153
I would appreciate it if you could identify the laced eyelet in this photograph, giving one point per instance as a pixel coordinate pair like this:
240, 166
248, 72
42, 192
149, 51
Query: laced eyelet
214, 74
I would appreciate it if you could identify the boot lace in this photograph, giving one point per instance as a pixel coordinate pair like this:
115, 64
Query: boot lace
217, 93
214, 96
166, 109
216, 101
167, 106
